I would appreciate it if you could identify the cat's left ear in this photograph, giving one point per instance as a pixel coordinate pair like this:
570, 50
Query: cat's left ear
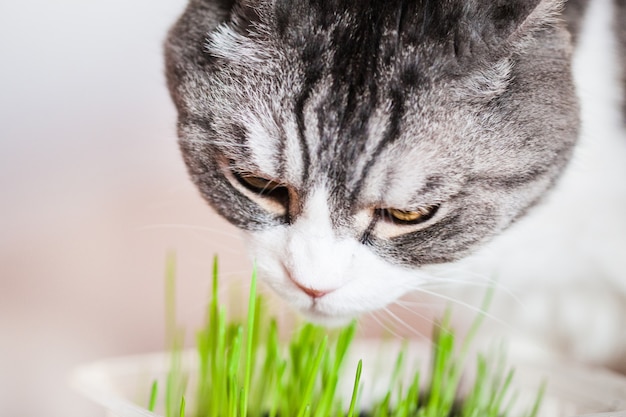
515, 20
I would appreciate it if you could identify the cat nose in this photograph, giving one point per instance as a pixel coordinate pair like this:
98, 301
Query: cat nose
311, 292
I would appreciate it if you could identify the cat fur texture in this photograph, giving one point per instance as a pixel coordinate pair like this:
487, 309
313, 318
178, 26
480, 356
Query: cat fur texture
316, 126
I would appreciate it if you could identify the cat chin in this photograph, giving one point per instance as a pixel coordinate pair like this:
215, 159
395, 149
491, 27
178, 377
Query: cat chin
322, 319
345, 303
333, 310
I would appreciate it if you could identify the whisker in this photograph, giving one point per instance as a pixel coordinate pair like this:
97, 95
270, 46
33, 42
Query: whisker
406, 305
217, 143
384, 326
488, 284
468, 306
184, 226
415, 306
412, 330
416, 312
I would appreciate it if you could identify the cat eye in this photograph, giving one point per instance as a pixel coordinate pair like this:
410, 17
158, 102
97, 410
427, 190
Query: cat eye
263, 186
408, 217
257, 184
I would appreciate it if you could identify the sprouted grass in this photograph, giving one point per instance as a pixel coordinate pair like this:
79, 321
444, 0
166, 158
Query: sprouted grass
244, 370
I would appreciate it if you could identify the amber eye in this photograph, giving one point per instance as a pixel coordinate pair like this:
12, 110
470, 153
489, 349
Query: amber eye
408, 217
257, 184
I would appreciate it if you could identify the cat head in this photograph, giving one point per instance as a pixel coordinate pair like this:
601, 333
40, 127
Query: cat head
356, 142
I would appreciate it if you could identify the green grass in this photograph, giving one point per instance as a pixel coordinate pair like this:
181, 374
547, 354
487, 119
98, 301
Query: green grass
245, 370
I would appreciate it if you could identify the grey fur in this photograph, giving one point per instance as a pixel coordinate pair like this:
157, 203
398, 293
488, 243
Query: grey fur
478, 95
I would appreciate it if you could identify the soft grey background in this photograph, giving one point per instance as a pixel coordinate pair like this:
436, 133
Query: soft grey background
93, 194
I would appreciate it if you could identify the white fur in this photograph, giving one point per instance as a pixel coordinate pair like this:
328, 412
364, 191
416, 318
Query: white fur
260, 138
293, 151
317, 258
225, 43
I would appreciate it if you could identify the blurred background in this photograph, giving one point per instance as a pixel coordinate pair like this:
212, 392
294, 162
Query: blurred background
93, 195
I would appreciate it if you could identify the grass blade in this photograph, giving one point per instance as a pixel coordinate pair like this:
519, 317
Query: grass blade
355, 390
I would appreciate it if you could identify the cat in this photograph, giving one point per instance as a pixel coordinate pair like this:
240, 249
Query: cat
371, 148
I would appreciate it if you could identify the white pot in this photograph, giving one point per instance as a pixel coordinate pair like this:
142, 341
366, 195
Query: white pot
122, 385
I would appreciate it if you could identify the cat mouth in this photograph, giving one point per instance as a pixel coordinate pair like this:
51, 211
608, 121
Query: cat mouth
316, 315
315, 309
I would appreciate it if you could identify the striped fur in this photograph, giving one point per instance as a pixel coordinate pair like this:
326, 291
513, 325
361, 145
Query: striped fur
464, 107
386, 104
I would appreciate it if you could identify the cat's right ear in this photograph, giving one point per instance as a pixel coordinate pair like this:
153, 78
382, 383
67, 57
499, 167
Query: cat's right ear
185, 44
185, 40
501, 25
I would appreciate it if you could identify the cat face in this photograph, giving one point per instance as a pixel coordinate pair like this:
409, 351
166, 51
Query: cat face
357, 142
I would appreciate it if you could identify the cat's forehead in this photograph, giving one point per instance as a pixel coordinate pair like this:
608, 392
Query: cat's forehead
334, 76
386, 156
369, 103
389, 148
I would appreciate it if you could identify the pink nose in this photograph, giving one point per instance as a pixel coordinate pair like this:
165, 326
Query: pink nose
311, 292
